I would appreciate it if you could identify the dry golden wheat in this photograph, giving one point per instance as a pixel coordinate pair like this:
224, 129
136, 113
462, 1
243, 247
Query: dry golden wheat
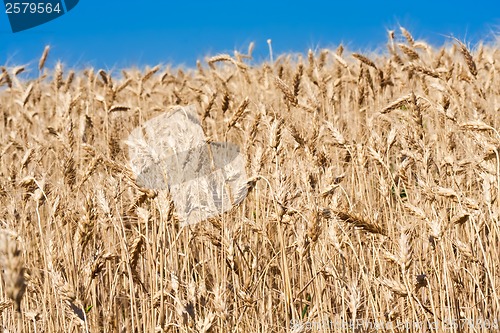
373, 194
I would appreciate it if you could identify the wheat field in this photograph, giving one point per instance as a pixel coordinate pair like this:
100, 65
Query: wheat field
373, 185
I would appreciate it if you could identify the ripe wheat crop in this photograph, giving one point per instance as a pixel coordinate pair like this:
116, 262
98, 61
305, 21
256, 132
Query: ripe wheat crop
373, 186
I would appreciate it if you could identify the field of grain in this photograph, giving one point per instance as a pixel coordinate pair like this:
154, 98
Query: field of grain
373, 196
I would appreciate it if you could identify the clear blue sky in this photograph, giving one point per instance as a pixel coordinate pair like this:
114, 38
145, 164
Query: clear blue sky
113, 34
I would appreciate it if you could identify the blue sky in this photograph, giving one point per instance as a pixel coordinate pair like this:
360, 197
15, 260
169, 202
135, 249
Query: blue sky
114, 34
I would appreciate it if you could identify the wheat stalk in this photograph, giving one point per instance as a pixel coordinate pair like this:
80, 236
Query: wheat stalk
43, 58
